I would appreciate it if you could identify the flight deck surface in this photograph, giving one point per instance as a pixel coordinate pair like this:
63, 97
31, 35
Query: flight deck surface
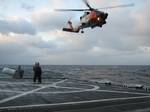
69, 95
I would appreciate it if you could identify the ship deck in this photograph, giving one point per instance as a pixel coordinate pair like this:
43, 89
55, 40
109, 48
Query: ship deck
69, 95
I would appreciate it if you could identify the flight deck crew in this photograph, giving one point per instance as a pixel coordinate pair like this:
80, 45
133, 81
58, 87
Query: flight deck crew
37, 73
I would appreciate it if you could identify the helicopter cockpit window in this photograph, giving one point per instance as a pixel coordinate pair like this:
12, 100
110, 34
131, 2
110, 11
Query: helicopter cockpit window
86, 13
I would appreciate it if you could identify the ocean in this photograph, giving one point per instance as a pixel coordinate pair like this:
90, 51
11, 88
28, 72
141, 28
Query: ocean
116, 74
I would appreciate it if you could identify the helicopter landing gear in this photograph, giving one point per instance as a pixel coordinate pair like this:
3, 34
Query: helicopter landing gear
104, 22
100, 26
82, 31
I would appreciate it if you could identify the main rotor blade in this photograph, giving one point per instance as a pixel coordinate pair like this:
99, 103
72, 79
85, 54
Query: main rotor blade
118, 6
110, 7
87, 4
72, 9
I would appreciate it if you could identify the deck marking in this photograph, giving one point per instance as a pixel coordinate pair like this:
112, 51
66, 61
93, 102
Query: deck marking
73, 103
59, 82
54, 84
29, 92
86, 90
73, 91
67, 87
147, 94
59, 92
23, 94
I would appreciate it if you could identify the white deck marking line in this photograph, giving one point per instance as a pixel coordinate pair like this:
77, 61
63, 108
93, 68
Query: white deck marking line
59, 82
59, 92
67, 87
29, 92
20, 95
73, 103
64, 92
147, 94
7, 83
93, 89
73, 91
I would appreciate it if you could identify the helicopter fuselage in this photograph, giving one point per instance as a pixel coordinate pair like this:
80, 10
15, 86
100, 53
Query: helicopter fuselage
93, 19
90, 19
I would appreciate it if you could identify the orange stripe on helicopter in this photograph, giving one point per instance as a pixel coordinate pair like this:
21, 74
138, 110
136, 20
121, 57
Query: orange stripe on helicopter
93, 16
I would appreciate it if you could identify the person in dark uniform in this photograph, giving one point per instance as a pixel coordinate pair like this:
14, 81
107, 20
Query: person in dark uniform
37, 73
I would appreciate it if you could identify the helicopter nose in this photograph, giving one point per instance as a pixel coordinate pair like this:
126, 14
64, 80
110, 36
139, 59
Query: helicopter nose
106, 15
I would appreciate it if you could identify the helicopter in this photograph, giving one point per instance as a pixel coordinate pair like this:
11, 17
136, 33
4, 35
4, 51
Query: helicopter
91, 18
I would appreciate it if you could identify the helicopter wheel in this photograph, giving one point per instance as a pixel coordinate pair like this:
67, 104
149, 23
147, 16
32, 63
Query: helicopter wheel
82, 31
100, 26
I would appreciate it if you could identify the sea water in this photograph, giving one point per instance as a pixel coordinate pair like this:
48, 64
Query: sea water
117, 74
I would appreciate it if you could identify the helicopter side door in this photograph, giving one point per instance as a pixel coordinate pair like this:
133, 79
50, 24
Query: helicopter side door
85, 20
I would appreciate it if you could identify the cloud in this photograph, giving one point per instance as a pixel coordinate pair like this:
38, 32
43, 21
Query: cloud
46, 20
142, 28
16, 25
27, 6
123, 40
19, 48
120, 40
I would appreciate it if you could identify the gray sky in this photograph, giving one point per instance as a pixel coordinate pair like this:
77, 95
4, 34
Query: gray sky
30, 31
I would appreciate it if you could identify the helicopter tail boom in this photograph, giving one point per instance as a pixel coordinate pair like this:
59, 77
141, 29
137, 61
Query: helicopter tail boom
71, 29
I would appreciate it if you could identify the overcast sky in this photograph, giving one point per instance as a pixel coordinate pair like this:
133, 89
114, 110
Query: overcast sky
30, 31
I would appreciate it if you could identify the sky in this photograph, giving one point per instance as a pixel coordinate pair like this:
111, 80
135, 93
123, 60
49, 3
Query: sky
30, 31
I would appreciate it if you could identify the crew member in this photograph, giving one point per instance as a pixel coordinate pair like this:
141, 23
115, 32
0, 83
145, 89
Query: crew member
37, 73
